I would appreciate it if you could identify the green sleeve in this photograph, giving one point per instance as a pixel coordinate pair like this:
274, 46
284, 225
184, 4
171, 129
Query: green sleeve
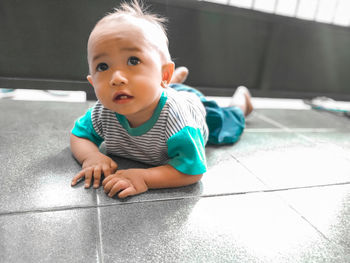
186, 150
83, 128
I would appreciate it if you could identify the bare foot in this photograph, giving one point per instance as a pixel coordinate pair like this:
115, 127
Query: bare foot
180, 75
242, 99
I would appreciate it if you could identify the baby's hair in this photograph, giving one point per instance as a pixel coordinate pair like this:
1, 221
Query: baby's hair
136, 9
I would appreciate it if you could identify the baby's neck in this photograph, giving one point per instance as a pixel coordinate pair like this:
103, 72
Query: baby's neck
136, 123
137, 119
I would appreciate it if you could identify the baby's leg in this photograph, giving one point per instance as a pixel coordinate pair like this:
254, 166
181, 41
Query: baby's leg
180, 75
243, 100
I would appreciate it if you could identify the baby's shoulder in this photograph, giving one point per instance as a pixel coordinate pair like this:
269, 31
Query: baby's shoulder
185, 108
183, 100
99, 112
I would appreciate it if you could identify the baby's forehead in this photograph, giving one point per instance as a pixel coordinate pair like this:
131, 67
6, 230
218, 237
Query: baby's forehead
148, 31
117, 23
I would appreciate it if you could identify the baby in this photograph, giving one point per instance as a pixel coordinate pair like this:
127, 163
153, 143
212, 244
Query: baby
140, 116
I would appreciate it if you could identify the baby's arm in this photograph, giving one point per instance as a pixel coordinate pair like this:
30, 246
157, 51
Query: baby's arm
94, 163
135, 181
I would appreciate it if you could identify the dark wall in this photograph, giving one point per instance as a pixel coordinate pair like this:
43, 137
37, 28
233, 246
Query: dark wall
43, 45
308, 57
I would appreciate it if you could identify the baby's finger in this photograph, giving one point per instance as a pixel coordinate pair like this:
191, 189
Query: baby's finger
120, 185
107, 185
106, 170
127, 192
97, 177
114, 166
88, 176
108, 179
78, 177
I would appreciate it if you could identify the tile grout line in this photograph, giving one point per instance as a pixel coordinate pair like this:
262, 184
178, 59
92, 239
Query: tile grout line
271, 121
290, 205
286, 188
250, 171
67, 208
295, 131
312, 225
306, 138
305, 219
99, 223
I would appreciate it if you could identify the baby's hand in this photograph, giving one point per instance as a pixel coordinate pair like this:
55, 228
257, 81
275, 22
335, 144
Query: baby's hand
93, 167
127, 182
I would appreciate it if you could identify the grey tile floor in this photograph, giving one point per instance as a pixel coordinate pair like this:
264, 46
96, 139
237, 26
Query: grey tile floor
281, 194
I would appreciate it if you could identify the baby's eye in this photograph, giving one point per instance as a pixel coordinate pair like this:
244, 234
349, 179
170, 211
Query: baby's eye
102, 67
133, 61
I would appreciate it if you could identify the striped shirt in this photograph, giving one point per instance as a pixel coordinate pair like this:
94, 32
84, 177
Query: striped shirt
176, 134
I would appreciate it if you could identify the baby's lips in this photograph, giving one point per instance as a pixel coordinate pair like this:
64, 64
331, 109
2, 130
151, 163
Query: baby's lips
121, 95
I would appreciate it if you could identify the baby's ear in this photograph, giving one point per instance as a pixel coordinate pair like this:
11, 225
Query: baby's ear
89, 78
167, 72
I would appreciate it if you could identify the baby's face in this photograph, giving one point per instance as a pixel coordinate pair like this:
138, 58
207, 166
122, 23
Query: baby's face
126, 69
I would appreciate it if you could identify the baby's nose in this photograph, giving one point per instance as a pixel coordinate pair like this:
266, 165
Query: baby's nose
118, 78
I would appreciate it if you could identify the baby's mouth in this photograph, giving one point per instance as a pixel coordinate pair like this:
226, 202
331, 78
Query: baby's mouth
122, 97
